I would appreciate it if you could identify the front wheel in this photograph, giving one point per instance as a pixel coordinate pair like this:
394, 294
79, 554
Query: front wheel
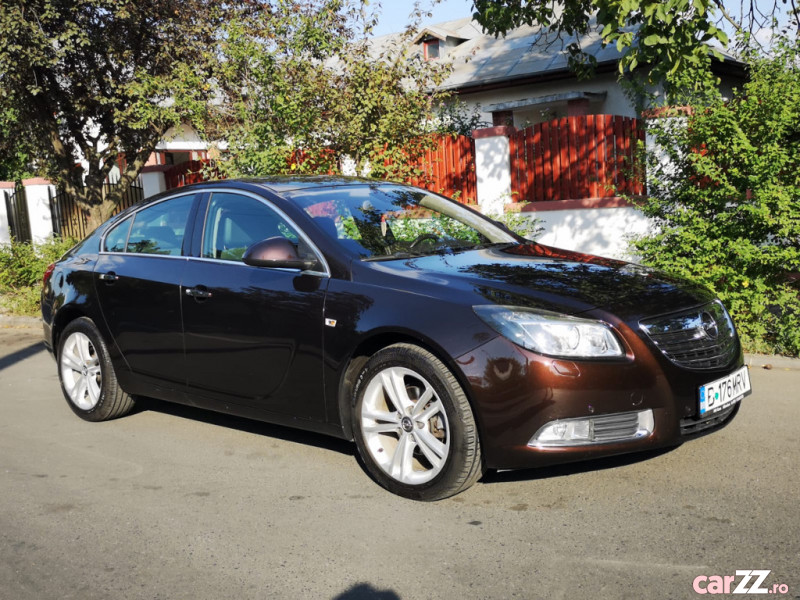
414, 427
87, 375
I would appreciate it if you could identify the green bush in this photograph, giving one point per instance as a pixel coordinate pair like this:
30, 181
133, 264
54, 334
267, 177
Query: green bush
724, 190
22, 266
23, 302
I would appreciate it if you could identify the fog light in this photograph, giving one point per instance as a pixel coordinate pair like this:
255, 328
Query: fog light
603, 429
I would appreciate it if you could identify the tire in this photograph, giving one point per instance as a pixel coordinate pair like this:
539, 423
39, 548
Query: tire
413, 425
87, 376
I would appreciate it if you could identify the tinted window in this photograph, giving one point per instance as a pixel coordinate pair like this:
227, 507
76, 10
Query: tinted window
116, 238
159, 229
235, 222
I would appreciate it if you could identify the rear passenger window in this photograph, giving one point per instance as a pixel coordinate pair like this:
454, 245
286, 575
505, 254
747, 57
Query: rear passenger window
118, 236
159, 229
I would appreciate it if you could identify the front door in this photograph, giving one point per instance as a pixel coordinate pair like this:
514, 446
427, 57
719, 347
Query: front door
253, 335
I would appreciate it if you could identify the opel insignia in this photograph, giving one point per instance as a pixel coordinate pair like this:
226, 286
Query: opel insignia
439, 341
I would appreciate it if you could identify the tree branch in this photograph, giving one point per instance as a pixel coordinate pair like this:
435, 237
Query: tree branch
727, 16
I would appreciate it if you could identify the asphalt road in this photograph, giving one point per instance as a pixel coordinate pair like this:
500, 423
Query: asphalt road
177, 503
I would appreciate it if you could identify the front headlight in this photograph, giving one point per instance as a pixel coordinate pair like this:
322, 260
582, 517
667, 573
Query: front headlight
552, 333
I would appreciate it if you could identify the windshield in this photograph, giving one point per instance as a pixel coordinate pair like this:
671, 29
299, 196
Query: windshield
383, 222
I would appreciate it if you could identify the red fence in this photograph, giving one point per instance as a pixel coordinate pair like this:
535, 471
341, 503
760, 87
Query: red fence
449, 169
590, 156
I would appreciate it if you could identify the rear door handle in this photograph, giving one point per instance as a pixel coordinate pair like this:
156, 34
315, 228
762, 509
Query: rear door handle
109, 277
199, 292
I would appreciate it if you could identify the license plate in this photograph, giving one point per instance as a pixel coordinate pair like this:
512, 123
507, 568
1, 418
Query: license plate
723, 392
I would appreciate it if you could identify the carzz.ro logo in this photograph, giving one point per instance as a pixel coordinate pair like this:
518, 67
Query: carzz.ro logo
751, 582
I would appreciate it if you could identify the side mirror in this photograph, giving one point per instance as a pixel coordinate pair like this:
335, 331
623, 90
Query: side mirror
276, 253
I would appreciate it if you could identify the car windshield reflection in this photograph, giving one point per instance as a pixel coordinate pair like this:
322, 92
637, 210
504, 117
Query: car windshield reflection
395, 222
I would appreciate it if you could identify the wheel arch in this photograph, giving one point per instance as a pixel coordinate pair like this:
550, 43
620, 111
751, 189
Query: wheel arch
64, 316
376, 341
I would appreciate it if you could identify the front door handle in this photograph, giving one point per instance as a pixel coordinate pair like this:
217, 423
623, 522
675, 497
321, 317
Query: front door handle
199, 292
109, 277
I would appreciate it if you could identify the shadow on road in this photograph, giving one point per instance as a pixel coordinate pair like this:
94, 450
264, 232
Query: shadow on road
364, 591
289, 434
20, 355
598, 464
325, 442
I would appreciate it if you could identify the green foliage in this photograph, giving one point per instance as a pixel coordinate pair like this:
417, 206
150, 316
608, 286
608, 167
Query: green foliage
304, 88
22, 266
724, 190
670, 37
24, 302
87, 80
14, 151
525, 226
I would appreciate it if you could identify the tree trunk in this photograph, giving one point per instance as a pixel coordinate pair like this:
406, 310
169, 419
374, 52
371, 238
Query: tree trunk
99, 203
99, 214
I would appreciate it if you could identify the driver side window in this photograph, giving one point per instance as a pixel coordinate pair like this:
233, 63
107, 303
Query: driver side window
235, 222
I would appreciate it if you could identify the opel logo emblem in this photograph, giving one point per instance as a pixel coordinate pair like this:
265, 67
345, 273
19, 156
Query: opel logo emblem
709, 325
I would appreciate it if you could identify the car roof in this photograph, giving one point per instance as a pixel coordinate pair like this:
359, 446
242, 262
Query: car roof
289, 183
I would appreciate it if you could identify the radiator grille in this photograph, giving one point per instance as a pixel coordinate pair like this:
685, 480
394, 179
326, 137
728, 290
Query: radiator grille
701, 338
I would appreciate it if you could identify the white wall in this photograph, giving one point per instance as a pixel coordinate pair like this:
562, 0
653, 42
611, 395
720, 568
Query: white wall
493, 172
153, 182
599, 231
38, 196
5, 230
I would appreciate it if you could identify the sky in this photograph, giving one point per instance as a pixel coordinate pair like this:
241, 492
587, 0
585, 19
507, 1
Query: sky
394, 13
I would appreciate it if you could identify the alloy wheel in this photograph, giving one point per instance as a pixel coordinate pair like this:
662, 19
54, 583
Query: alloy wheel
404, 425
80, 371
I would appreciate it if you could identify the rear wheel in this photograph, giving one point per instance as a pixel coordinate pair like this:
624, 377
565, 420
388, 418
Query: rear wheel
87, 377
414, 427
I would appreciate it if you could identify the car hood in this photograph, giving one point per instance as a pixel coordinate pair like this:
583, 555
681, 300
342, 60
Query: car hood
553, 279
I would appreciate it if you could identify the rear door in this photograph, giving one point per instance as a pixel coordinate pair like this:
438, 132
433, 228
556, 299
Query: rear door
253, 335
137, 279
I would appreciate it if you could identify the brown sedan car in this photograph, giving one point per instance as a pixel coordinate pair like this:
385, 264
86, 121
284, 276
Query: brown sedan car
439, 341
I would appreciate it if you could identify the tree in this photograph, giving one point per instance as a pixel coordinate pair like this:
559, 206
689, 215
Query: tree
724, 191
14, 152
666, 35
305, 90
90, 79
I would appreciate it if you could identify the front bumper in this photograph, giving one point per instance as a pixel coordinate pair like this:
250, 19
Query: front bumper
516, 392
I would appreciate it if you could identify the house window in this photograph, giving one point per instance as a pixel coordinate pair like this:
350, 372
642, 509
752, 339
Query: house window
431, 47
501, 118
